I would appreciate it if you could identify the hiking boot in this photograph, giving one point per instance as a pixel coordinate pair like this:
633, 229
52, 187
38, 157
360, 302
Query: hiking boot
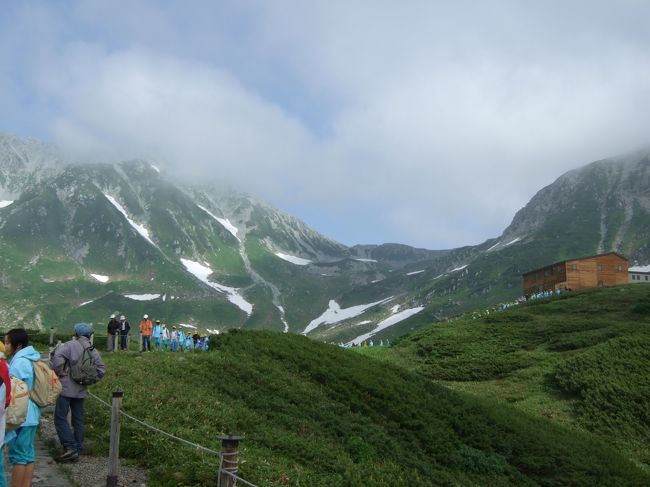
68, 456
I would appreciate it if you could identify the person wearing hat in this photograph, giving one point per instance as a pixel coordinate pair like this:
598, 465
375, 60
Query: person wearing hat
72, 393
174, 339
125, 329
145, 330
112, 329
157, 335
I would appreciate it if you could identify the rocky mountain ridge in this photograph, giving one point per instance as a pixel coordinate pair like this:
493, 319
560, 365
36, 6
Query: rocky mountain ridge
79, 241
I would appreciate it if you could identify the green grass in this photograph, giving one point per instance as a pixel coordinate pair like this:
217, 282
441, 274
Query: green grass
318, 415
582, 360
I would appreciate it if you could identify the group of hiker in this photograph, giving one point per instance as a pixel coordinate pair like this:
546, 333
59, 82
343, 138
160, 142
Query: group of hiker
27, 384
153, 335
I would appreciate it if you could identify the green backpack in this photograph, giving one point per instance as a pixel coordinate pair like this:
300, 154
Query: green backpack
84, 371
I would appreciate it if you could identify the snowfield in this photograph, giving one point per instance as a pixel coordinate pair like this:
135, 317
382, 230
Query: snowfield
5, 203
365, 260
414, 273
282, 317
390, 321
334, 313
142, 297
504, 245
138, 228
223, 221
201, 272
293, 259
100, 278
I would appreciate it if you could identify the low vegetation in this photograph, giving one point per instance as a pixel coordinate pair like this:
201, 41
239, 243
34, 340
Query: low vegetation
582, 359
318, 415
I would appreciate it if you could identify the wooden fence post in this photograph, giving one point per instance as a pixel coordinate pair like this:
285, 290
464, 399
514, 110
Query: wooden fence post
114, 446
230, 459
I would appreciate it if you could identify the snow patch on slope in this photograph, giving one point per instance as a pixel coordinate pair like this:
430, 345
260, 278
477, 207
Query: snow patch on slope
138, 228
5, 203
334, 313
458, 268
283, 318
390, 321
414, 273
201, 272
100, 278
293, 259
223, 221
142, 297
365, 260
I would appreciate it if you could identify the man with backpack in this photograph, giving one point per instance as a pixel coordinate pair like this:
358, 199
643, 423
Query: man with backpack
78, 365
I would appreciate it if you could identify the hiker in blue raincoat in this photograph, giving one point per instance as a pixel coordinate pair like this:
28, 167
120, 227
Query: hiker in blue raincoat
157, 332
20, 442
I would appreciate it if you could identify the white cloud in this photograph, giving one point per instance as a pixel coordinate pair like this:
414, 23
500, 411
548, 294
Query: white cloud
427, 124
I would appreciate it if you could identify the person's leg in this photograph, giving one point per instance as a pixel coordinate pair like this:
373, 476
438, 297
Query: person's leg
77, 408
28, 476
17, 475
61, 424
22, 456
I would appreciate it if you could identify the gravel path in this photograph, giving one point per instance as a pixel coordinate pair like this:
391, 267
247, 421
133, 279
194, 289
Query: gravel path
89, 471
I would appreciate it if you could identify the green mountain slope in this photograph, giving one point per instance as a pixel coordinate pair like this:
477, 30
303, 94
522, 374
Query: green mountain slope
81, 241
319, 415
582, 360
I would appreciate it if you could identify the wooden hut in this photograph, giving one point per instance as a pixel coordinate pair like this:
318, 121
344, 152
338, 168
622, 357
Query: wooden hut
583, 273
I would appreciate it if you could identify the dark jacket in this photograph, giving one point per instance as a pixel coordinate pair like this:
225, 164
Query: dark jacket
113, 326
69, 353
124, 327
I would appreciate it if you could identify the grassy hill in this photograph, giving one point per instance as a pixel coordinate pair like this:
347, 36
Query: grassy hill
318, 415
582, 360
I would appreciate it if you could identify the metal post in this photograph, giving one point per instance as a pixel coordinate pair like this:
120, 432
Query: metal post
230, 460
141, 343
117, 339
51, 337
114, 445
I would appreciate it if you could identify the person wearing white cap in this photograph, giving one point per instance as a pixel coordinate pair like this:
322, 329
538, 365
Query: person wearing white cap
112, 329
145, 331
125, 329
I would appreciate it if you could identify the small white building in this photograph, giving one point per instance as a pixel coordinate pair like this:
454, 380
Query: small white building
639, 274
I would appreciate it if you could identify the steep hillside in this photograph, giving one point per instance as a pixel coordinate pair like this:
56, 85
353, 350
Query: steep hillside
581, 359
318, 415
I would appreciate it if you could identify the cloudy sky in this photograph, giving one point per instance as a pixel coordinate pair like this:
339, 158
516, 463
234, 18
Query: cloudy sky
421, 122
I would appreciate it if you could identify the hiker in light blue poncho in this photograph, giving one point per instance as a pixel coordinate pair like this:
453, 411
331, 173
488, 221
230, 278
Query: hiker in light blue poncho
157, 332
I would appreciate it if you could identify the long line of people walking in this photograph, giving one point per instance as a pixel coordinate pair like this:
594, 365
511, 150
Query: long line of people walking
154, 336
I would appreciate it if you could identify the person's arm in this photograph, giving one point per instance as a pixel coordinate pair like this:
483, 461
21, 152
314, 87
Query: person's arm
101, 368
61, 356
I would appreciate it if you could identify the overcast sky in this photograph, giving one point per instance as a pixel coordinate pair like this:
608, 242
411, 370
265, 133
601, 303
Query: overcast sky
426, 123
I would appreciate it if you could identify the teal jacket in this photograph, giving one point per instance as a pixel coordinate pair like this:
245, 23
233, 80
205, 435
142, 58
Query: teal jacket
157, 330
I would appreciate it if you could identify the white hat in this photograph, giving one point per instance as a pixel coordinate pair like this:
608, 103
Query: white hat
122, 317
146, 316
113, 316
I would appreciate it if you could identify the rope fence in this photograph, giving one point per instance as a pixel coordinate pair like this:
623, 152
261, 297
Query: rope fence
227, 475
